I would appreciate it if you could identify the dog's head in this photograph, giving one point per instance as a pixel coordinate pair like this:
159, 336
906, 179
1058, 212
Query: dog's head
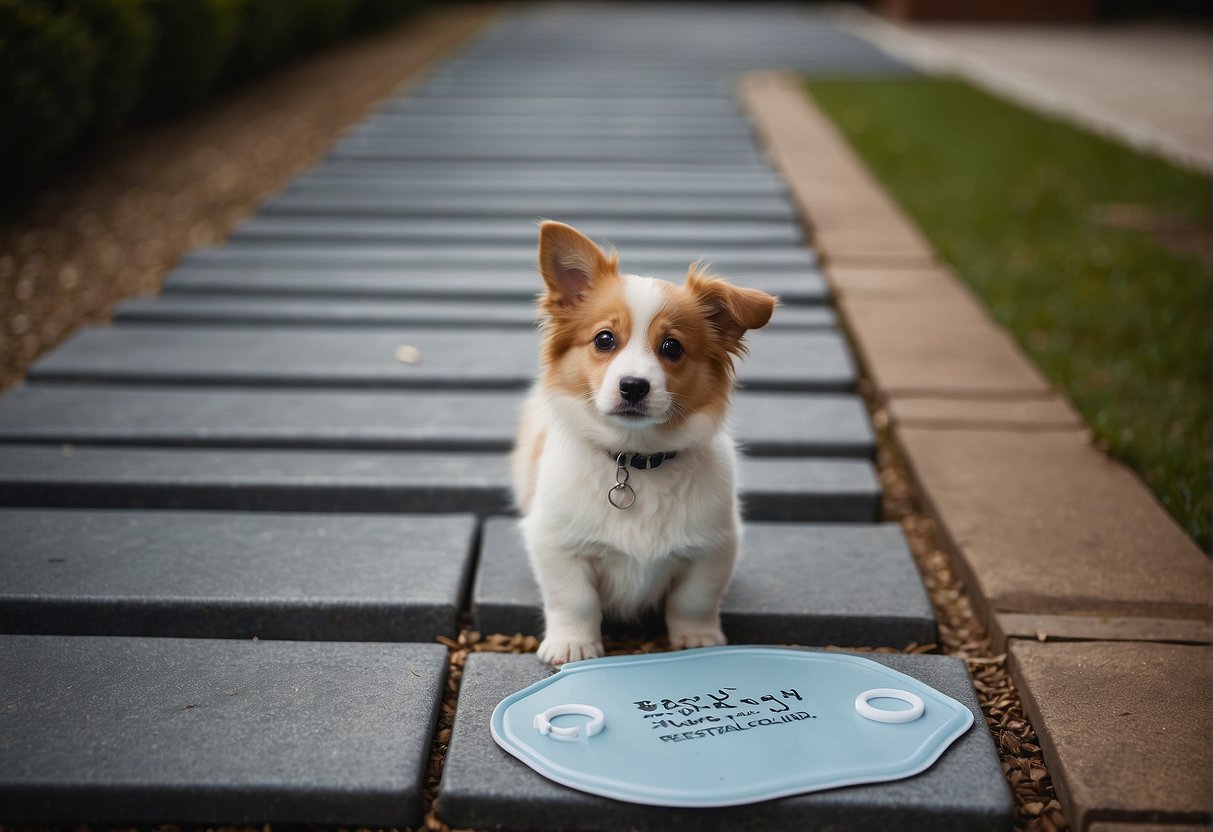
641, 361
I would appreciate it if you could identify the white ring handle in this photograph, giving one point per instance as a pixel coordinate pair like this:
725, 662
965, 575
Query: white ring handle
880, 715
543, 722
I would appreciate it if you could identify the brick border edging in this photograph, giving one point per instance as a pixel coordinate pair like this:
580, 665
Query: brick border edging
1049, 534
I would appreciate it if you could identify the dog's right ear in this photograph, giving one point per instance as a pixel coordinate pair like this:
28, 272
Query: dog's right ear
570, 263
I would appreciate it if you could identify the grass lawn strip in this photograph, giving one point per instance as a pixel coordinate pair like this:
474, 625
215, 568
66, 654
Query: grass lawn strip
1096, 257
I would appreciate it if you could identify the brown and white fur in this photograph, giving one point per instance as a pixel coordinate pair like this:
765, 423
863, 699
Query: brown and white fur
679, 539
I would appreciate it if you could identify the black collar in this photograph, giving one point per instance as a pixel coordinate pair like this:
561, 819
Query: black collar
641, 461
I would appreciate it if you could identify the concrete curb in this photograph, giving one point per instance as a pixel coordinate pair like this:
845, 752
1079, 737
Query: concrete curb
1048, 533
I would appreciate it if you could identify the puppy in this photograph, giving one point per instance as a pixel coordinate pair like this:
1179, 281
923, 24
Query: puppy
623, 468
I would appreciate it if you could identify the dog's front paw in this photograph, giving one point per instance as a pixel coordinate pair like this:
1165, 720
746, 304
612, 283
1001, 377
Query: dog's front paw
556, 651
683, 636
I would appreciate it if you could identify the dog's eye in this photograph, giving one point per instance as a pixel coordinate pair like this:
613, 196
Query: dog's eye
604, 341
671, 349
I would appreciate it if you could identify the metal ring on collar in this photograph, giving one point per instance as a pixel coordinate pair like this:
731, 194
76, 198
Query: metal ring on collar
880, 715
543, 722
621, 495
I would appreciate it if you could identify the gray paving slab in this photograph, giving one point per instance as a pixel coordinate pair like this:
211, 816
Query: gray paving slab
54, 476
768, 424
635, 166
646, 86
491, 231
729, 151
796, 583
601, 82
581, 209
720, 39
570, 152
453, 78
660, 260
809, 490
574, 105
486, 177
488, 144
520, 78
473, 65
228, 575
231, 308
341, 357
804, 285
466, 71
828, 51
483, 787
552, 126
66, 476
147, 730
464, 312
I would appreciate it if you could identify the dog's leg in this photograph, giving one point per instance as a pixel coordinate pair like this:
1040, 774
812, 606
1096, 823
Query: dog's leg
572, 611
692, 612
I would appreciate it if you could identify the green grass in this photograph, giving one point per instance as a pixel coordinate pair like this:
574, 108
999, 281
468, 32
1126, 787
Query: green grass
1019, 205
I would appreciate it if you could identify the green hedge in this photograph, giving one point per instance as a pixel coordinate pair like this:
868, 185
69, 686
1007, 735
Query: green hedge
193, 41
47, 63
123, 37
266, 38
369, 15
322, 22
73, 72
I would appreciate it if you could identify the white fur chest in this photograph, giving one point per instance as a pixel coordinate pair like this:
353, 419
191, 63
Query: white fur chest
684, 506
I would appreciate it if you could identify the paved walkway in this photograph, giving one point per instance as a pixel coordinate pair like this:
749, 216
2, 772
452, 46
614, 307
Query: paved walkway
304, 441
1150, 85
237, 519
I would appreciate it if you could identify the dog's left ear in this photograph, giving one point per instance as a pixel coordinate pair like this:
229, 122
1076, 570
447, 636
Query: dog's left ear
733, 310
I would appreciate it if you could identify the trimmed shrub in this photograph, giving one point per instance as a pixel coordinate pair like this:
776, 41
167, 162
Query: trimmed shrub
194, 39
265, 40
124, 37
47, 62
320, 23
370, 15
73, 72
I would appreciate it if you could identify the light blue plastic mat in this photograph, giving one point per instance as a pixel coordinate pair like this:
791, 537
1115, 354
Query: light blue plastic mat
726, 725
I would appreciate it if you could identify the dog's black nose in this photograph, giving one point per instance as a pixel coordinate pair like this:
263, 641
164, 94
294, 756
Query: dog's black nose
633, 388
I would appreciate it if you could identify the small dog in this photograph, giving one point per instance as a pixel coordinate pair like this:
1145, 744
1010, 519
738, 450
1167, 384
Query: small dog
623, 468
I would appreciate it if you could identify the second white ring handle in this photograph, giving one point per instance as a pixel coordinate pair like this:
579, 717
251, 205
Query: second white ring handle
862, 704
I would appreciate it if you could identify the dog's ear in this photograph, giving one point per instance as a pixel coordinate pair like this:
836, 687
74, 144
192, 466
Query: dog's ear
570, 263
732, 310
